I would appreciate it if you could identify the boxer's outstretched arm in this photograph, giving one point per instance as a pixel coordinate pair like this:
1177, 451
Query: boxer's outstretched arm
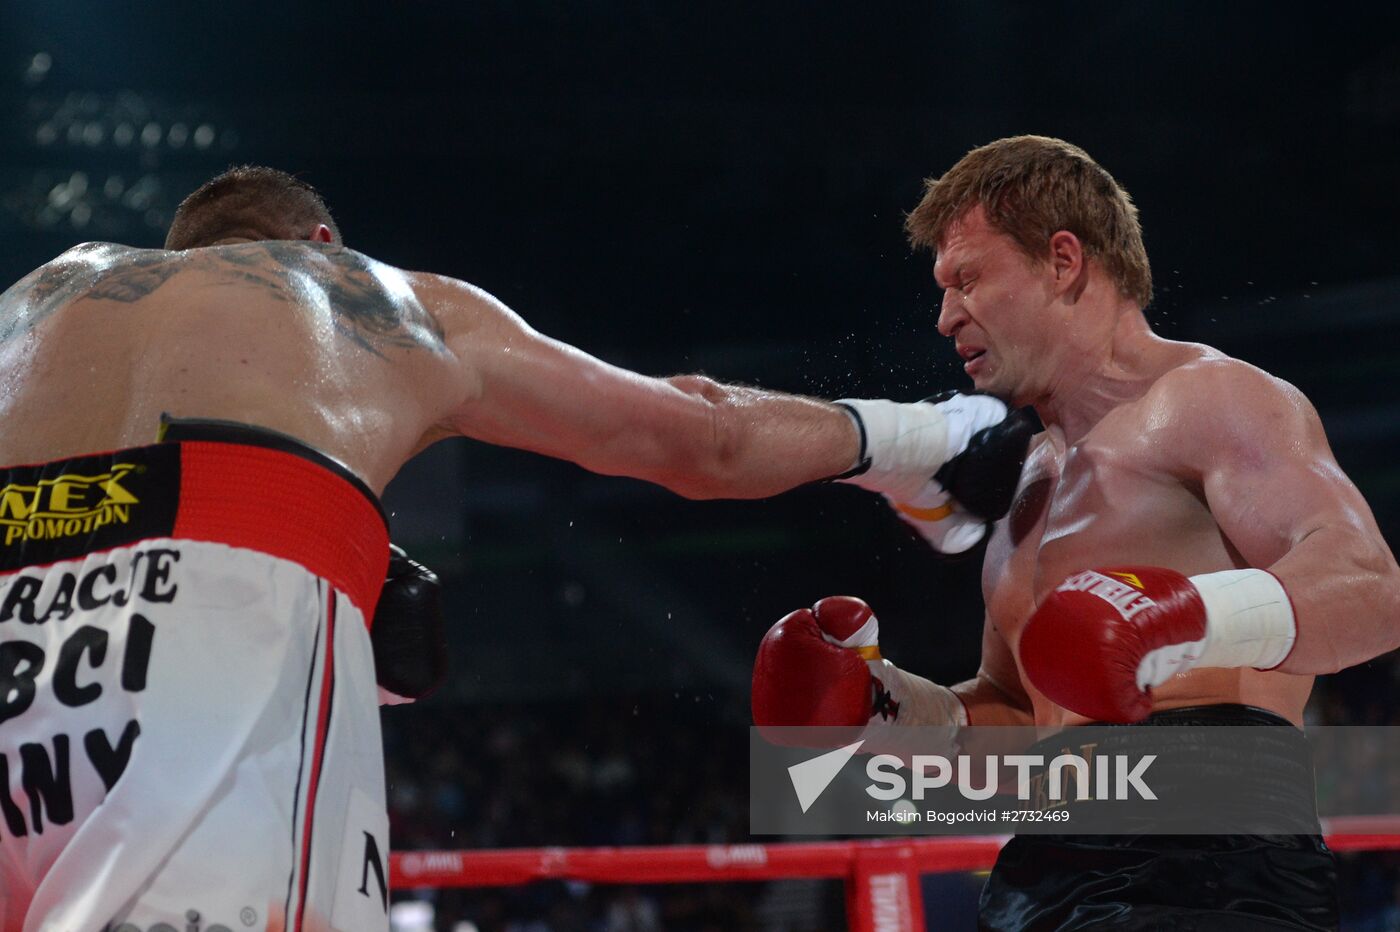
1276, 491
690, 434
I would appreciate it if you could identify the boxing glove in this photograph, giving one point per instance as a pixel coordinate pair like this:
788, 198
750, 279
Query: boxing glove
903, 445
822, 666
940, 520
1100, 642
408, 635
975, 449
982, 477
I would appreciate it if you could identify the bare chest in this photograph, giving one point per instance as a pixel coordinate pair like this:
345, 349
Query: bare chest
1109, 499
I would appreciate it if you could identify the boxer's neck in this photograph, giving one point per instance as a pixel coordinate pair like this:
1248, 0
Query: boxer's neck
1114, 370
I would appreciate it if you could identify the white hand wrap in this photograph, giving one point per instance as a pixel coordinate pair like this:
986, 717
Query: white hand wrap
1249, 623
1249, 619
915, 700
903, 445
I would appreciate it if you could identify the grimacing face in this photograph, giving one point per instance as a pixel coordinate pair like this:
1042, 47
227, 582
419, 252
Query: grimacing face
996, 309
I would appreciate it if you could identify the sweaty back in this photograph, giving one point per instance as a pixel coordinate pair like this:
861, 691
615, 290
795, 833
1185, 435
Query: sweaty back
316, 341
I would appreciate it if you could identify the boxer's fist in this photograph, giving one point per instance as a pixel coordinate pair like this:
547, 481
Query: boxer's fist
408, 635
1104, 638
959, 437
812, 666
822, 667
953, 509
982, 476
1086, 647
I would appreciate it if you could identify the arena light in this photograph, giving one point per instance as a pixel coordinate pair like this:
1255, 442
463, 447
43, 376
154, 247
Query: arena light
91, 136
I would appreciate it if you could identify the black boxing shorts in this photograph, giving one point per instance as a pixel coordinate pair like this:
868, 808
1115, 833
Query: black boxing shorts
1178, 882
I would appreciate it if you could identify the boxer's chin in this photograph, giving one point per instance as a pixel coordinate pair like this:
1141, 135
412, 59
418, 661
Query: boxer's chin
995, 381
984, 379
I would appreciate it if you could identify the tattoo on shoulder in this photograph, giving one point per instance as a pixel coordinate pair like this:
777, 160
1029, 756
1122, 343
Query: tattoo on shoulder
38, 288
133, 280
100, 271
31, 299
372, 306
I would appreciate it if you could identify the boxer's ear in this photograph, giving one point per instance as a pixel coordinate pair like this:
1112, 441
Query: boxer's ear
322, 234
1068, 262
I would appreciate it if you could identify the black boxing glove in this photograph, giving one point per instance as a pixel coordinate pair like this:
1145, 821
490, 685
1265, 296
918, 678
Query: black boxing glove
972, 489
409, 634
983, 477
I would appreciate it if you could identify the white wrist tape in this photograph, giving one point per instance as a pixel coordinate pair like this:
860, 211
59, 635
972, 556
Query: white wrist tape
915, 700
920, 701
1249, 623
904, 444
1249, 619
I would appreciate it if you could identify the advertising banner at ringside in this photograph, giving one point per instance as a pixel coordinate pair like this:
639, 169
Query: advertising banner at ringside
1093, 779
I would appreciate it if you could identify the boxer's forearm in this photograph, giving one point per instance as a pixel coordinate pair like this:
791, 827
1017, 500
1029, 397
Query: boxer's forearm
762, 442
688, 433
1345, 590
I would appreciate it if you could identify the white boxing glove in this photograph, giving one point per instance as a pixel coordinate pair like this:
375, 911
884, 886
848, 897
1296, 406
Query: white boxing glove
903, 445
944, 524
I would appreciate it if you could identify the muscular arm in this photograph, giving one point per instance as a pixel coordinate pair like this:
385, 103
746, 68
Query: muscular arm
1279, 496
690, 434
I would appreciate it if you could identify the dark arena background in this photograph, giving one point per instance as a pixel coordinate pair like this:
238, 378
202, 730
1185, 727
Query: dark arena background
719, 188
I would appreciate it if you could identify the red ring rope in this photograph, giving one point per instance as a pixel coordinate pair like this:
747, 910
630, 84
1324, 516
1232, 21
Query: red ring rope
507, 867
881, 877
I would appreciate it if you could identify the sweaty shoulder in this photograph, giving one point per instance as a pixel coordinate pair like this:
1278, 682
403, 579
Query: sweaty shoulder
1214, 385
1214, 405
467, 313
369, 303
98, 271
85, 261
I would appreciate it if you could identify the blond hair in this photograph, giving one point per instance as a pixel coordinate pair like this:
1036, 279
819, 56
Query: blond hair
1031, 187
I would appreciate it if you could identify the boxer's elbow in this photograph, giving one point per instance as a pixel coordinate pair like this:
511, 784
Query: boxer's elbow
716, 464
1352, 614
1378, 581
1368, 629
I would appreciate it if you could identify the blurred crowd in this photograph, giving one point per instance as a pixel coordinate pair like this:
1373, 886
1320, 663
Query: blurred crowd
648, 770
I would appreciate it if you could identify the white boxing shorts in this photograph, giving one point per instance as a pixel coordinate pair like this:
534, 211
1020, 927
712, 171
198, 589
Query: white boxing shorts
189, 732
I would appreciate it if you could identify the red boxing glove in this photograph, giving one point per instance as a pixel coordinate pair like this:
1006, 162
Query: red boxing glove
1100, 642
822, 666
801, 677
